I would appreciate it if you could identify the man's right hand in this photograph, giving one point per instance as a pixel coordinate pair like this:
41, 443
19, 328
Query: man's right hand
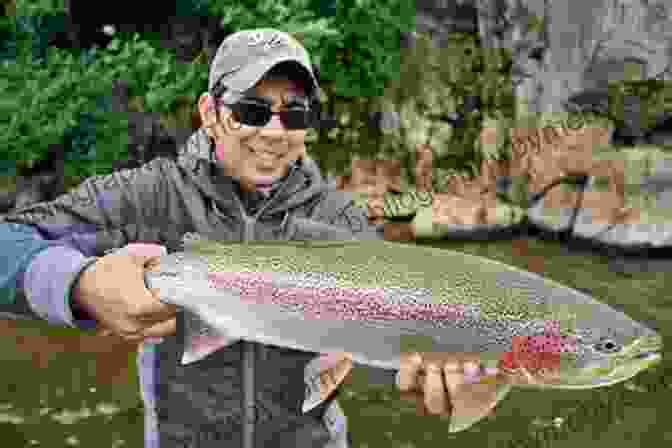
113, 291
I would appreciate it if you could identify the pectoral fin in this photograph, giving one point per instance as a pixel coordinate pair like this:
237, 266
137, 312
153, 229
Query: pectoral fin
200, 339
465, 421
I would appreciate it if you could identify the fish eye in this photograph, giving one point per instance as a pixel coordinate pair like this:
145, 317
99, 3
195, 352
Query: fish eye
607, 346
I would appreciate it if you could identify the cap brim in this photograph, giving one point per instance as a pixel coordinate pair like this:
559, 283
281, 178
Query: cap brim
248, 77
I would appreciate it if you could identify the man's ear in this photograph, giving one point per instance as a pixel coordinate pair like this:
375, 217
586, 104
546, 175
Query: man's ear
208, 113
206, 108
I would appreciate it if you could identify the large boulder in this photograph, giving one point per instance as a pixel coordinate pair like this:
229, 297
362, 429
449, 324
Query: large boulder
439, 18
562, 51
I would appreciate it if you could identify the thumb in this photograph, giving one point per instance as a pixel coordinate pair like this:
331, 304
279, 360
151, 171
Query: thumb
145, 254
161, 329
145, 249
144, 260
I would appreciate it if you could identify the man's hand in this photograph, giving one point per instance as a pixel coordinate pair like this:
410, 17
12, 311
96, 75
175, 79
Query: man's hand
439, 383
447, 384
113, 291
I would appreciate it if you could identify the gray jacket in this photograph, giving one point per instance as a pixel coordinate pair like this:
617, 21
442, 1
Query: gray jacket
202, 404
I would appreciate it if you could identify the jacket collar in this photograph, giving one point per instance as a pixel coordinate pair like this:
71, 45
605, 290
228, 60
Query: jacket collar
303, 182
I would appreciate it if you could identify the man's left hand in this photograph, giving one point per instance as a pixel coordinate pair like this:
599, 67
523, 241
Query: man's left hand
439, 383
447, 384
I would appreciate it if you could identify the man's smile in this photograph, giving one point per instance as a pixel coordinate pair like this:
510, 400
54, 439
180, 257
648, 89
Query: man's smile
263, 155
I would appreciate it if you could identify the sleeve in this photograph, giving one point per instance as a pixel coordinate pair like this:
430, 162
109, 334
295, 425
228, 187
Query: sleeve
47, 245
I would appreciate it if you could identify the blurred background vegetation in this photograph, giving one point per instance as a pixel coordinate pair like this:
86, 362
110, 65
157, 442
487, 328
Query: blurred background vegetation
53, 93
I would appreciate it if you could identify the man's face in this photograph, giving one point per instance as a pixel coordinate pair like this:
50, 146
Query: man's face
257, 155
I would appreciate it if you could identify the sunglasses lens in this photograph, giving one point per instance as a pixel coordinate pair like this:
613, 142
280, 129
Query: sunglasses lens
252, 114
295, 118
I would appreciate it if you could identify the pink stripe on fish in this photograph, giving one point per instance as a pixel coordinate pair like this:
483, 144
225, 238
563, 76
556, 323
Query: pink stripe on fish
331, 302
540, 351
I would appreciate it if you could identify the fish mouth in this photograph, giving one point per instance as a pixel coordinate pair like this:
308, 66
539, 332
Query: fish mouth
638, 363
606, 376
641, 355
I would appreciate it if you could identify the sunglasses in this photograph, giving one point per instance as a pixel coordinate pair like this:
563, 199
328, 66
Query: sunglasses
257, 112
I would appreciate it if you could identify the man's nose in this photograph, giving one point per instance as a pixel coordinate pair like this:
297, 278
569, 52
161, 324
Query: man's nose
274, 123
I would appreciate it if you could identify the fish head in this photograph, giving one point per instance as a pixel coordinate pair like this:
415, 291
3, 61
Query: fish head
592, 346
604, 358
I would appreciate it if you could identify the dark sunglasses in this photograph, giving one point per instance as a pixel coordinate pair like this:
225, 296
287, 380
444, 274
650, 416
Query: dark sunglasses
256, 112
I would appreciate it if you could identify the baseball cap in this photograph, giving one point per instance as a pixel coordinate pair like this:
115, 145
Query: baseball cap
246, 56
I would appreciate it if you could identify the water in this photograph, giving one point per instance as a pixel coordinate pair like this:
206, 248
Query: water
62, 387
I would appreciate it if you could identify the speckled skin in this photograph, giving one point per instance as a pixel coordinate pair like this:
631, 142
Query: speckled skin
376, 299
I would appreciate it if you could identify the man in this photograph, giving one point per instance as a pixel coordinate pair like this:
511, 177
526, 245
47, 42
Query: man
243, 176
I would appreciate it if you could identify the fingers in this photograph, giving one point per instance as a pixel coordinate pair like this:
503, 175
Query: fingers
446, 384
471, 371
454, 377
159, 311
104, 332
146, 255
151, 321
410, 368
143, 260
161, 329
436, 399
150, 309
145, 250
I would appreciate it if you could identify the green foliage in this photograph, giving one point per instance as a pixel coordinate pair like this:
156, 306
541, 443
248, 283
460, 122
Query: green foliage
153, 73
72, 107
30, 33
436, 82
65, 99
43, 105
11, 40
293, 16
26, 8
366, 57
338, 36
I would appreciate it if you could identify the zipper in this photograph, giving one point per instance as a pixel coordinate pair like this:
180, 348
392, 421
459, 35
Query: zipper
250, 350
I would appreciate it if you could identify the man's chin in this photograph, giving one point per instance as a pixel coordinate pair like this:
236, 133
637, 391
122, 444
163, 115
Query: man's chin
265, 176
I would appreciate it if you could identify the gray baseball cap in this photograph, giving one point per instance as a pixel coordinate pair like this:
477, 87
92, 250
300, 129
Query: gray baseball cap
246, 56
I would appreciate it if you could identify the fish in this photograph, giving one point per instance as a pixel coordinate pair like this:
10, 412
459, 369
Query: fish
377, 300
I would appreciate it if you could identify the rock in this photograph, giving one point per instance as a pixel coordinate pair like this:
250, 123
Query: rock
580, 50
439, 18
661, 133
387, 120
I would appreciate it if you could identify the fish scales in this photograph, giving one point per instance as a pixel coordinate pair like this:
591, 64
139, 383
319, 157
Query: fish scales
376, 299
468, 281
363, 267
291, 291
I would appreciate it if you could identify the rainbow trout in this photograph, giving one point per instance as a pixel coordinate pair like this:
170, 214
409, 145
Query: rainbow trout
376, 300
